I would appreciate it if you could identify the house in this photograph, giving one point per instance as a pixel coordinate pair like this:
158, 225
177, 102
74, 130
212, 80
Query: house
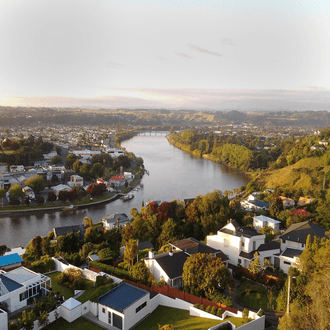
48, 157
18, 287
316, 147
28, 191
118, 180
76, 181
255, 205
167, 266
304, 200
16, 168
293, 242
324, 143
254, 196
261, 221
60, 187
129, 176
191, 246
62, 231
241, 243
115, 220
10, 261
287, 202
124, 306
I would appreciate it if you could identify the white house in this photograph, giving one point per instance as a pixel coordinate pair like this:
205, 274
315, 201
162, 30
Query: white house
254, 205
3, 320
16, 168
28, 191
124, 306
18, 287
76, 181
61, 187
241, 243
167, 266
114, 220
261, 221
293, 242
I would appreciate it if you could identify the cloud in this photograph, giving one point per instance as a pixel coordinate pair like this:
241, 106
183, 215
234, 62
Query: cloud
184, 55
227, 41
204, 50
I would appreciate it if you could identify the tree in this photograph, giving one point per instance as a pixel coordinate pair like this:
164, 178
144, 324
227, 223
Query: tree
15, 192
26, 320
3, 249
56, 160
131, 251
37, 183
168, 234
76, 165
2, 194
96, 171
204, 272
88, 221
51, 197
140, 272
254, 265
70, 159
63, 196
275, 206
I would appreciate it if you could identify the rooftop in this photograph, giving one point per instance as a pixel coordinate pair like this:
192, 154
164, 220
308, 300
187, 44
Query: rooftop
122, 296
10, 259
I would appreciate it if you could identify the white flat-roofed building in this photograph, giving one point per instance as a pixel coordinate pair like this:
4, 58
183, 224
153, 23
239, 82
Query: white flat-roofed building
261, 221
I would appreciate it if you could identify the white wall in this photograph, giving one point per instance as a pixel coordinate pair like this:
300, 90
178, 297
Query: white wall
3, 320
12, 299
131, 317
70, 314
292, 245
156, 270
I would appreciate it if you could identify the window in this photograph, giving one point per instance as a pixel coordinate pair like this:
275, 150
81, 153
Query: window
302, 245
283, 241
109, 317
254, 245
103, 310
140, 307
242, 244
287, 263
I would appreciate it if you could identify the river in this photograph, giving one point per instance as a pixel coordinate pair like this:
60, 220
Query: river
173, 174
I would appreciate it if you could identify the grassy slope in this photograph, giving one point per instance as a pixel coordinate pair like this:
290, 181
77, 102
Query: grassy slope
295, 176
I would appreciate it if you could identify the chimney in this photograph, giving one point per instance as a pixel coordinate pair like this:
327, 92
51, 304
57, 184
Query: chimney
151, 254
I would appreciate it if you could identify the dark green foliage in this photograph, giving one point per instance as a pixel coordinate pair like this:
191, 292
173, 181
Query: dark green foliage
111, 270
100, 291
102, 280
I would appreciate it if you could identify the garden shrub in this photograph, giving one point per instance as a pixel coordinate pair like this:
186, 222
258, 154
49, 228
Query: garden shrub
220, 312
260, 312
202, 307
213, 310
196, 306
208, 309
102, 280
101, 290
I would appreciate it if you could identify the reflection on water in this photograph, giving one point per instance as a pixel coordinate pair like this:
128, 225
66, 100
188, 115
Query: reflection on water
173, 174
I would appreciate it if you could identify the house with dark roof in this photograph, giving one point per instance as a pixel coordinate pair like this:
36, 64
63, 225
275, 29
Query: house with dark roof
167, 266
254, 205
18, 287
10, 261
241, 243
293, 242
191, 246
124, 306
62, 231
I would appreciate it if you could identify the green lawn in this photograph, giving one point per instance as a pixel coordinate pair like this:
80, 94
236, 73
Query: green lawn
253, 295
64, 291
88, 292
81, 324
180, 319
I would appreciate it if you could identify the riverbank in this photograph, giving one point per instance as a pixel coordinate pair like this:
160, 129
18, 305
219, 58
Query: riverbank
196, 153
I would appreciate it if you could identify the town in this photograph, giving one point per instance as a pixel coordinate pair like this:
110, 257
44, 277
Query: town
251, 244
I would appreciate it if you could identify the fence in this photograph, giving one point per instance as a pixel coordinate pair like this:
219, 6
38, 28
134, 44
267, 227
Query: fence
175, 293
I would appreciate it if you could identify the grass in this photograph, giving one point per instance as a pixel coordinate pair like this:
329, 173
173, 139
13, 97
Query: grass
64, 291
88, 292
253, 295
180, 319
81, 324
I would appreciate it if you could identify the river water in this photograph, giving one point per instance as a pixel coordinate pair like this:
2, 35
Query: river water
173, 174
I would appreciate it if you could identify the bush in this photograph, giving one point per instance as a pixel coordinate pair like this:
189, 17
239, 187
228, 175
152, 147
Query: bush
220, 312
260, 312
208, 309
111, 270
101, 290
214, 310
226, 326
202, 307
79, 284
102, 280
196, 306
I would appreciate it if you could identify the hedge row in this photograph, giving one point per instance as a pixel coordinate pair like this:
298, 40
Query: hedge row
121, 273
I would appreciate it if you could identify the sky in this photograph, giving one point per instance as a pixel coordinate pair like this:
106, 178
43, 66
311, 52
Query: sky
183, 54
